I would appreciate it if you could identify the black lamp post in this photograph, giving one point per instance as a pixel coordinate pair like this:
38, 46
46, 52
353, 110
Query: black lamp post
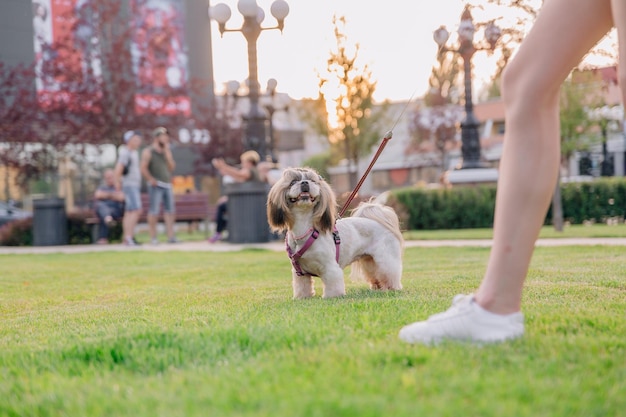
253, 15
272, 107
607, 118
470, 140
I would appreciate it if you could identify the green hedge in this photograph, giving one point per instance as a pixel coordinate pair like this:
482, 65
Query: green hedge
472, 207
595, 200
456, 208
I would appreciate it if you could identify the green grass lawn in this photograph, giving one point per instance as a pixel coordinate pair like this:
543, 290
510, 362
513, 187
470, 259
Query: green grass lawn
217, 334
597, 230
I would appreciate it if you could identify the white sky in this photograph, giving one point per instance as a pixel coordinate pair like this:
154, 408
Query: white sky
395, 40
395, 37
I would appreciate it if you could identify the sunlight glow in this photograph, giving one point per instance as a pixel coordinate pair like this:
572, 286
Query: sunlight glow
396, 42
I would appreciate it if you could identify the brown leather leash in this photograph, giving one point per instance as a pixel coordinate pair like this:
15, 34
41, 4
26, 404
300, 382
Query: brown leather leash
386, 139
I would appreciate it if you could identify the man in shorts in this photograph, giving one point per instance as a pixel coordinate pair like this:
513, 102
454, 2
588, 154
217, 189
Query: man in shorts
157, 165
128, 174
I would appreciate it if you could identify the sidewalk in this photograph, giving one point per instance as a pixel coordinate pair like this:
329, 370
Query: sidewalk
203, 246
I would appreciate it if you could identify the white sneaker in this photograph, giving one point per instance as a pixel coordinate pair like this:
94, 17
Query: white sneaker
465, 321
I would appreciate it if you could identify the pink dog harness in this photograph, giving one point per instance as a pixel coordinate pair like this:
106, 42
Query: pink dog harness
294, 257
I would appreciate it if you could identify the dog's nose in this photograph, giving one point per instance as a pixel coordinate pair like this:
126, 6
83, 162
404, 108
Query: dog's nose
304, 186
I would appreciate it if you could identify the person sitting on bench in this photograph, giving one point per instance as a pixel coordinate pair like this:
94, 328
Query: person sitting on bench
109, 205
248, 171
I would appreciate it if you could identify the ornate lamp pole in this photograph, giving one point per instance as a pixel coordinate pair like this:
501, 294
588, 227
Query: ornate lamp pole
253, 15
470, 140
607, 117
272, 106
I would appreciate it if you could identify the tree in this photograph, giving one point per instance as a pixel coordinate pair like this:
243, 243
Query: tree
78, 91
32, 139
225, 135
16, 94
112, 66
434, 124
350, 88
444, 79
512, 35
314, 113
576, 95
435, 127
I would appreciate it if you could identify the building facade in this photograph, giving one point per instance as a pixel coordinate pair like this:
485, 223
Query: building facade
167, 44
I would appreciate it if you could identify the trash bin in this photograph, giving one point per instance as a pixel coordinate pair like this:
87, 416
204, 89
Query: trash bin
49, 222
247, 213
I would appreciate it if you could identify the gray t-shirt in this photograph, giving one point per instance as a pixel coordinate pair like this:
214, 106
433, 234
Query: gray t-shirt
133, 178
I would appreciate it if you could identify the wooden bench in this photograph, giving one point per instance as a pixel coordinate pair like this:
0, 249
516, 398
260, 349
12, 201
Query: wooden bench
188, 207
191, 207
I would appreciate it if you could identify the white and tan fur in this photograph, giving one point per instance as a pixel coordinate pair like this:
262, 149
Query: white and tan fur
371, 240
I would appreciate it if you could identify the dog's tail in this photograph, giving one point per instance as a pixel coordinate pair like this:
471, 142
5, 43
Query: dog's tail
368, 269
376, 210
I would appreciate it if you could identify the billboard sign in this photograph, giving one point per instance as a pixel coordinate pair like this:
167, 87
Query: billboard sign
160, 62
67, 50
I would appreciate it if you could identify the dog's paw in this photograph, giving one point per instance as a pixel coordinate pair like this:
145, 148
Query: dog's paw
333, 294
300, 295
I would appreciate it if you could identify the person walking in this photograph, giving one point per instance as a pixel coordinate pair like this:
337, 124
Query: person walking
157, 166
127, 173
528, 168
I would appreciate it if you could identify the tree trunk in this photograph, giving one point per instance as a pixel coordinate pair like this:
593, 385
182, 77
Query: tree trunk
557, 206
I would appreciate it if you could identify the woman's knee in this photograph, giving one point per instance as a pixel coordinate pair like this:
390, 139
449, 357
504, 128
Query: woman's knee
524, 88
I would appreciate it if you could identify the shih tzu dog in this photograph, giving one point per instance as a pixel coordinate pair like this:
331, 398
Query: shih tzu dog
318, 244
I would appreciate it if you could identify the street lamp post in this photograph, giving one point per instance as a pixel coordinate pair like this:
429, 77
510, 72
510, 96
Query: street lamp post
607, 117
272, 107
470, 140
253, 15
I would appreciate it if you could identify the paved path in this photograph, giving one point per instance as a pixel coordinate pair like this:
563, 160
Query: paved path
280, 246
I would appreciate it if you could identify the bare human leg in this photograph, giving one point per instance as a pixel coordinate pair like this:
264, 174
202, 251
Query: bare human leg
528, 172
531, 154
618, 8
169, 226
152, 226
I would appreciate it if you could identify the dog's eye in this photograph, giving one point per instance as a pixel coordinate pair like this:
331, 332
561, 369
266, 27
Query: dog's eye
292, 182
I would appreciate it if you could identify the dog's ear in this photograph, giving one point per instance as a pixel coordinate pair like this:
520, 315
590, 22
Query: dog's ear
276, 218
327, 221
277, 212
325, 212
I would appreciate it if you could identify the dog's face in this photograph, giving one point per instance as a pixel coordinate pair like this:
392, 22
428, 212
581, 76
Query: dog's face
304, 188
301, 192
